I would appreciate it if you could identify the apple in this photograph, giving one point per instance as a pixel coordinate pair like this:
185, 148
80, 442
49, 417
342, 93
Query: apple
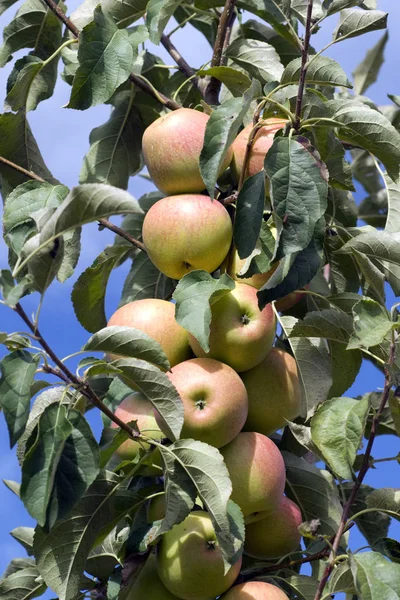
156, 508
171, 149
157, 319
189, 560
275, 535
240, 334
257, 472
257, 280
214, 400
274, 391
187, 232
287, 302
148, 585
263, 142
255, 590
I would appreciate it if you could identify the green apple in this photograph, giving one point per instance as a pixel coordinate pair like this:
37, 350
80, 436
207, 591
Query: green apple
257, 280
148, 585
274, 391
255, 590
240, 334
171, 149
157, 319
275, 535
263, 142
187, 232
214, 400
156, 508
257, 472
190, 562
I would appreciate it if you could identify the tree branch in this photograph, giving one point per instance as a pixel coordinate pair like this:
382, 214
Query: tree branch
304, 66
360, 478
171, 104
184, 67
29, 174
221, 42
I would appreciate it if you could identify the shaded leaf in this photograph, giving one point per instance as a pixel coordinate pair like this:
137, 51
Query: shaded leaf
249, 214
328, 323
24, 535
372, 525
386, 499
355, 22
22, 585
346, 365
366, 73
375, 577
236, 81
144, 280
389, 548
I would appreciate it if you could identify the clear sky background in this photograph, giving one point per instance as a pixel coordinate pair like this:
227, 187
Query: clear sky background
62, 135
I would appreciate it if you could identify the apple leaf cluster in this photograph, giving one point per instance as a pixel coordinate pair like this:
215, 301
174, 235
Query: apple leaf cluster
251, 256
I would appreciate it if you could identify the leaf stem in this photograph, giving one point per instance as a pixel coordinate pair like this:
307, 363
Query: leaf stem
304, 66
126, 236
59, 49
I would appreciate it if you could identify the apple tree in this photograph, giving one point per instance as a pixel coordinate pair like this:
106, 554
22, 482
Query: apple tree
231, 462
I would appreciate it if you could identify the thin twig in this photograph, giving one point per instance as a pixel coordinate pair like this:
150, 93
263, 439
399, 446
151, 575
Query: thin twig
360, 478
29, 174
304, 59
221, 42
184, 67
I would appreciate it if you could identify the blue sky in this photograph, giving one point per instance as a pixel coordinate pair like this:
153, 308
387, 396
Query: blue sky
62, 136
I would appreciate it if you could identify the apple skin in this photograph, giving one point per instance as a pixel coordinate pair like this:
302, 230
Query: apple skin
190, 563
263, 142
156, 508
274, 391
157, 319
257, 472
214, 400
257, 280
240, 334
275, 535
187, 232
255, 590
148, 584
287, 302
171, 149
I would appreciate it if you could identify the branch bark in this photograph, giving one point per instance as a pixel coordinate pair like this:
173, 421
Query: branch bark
184, 67
304, 66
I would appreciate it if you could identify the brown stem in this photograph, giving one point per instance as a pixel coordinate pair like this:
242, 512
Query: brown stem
221, 42
249, 146
29, 174
171, 104
303, 72
184, 67
360, 478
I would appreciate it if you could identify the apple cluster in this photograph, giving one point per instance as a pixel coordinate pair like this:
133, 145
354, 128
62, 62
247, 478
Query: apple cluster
234, 396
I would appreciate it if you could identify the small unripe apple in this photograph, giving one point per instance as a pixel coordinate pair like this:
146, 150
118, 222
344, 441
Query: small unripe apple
148, 585
157, 319
257, 472
263, 142
214, 400
240, 334
255, 590
274, 392
171, 149
156, 508
189, 560
275, 535
187, 232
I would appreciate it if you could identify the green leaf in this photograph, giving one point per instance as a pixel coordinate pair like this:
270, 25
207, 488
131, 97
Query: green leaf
24, 535
249, 214
366, 73
194, 295
259, 31
88, 294
337, 429
105, 58
346, 365
24, 584
21, 83
128, 341
389, 548
299, 9
13, 486
303, 586
124, 12
334, 6
155, 385
374, 244
375, 577
385, 499
372, 525
393, 200
60, 463
342, 579
259, 59
17, 372
44, 263
144, 280
260, 259
299, 191
371, 324
4, 4
117, 392
355, 22
71, 253
104, 557
221, 130
158, 13
321, 71
328, 323
236, 81
180, 492
394, 405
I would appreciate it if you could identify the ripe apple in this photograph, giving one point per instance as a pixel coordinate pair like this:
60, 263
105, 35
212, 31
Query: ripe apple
275, 535
257, 280
263, 142
255, 590
157, 319
240, 335
257, 472
274, 392
171, 149
288, 301
187, 232
148, 584
189, 560
214, 400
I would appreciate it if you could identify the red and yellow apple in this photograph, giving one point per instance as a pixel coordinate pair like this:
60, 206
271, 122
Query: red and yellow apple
257, 472
187, 232
274, 391
189, 560
157, 319
240, 334
148, 585
277, 534
255, 590
171, 149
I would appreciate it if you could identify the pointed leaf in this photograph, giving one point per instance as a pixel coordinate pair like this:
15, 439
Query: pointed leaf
24, 535
334, 6
355, 22
386, 499
249, 214
321, 71
158, 13
375, 244
371, 324
144, 280
329, 324
366, 73
375, 577
236, 81
24, 584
